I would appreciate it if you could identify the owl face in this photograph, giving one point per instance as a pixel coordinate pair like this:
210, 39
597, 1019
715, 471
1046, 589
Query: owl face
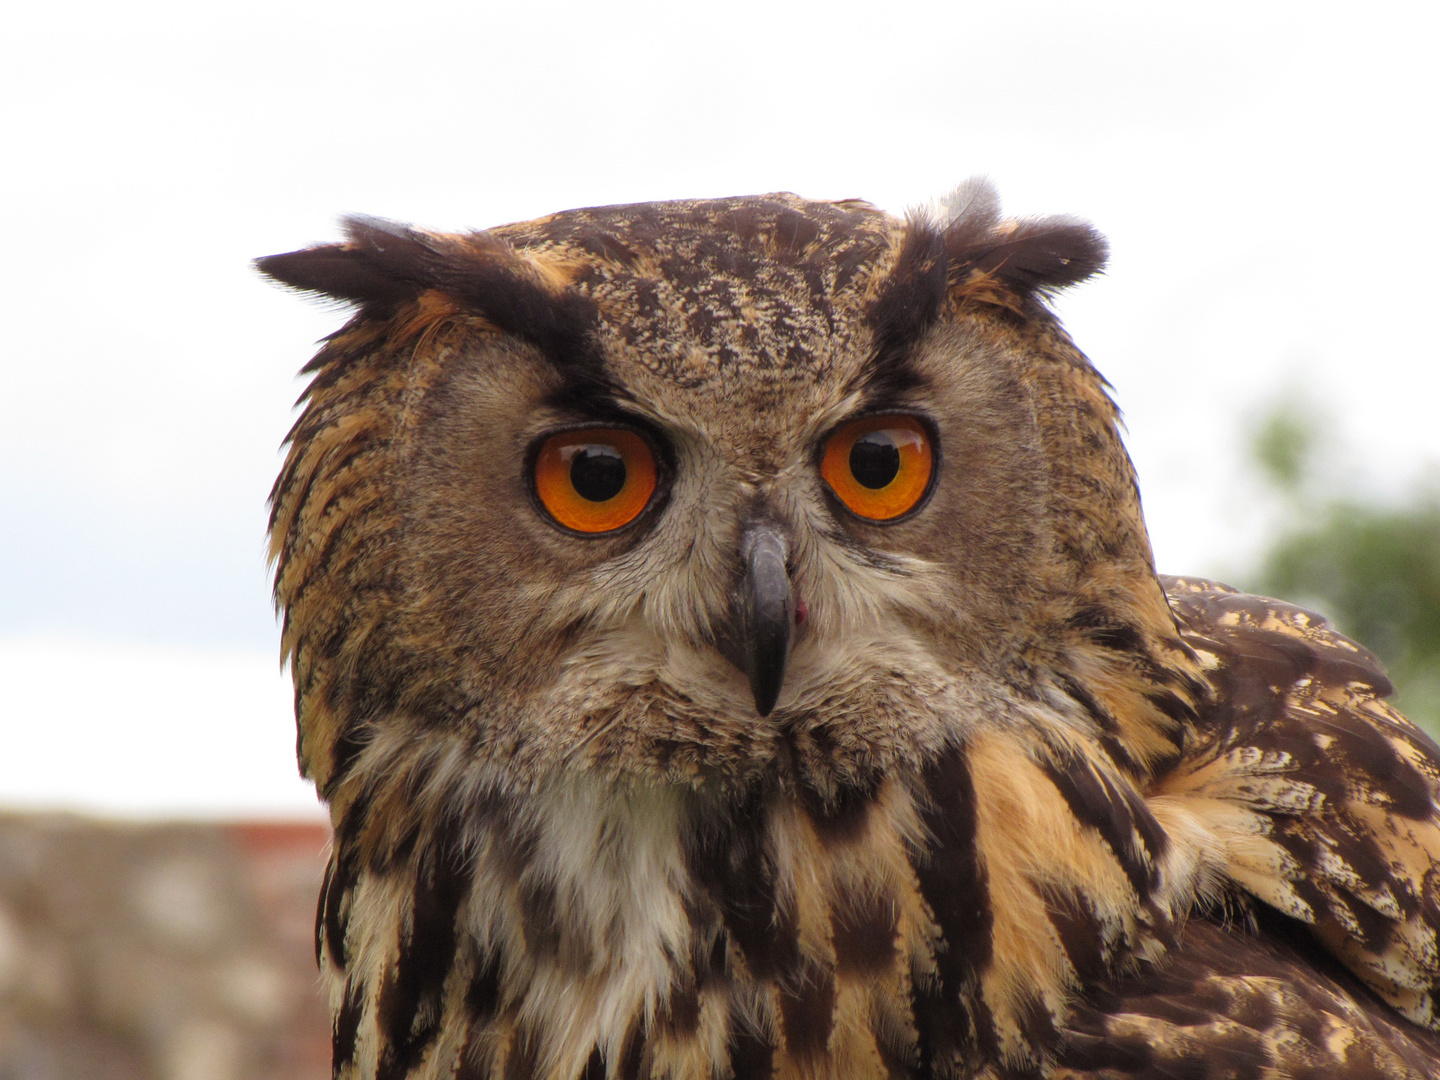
690, 489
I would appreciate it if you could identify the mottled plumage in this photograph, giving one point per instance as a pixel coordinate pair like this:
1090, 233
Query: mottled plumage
758, 785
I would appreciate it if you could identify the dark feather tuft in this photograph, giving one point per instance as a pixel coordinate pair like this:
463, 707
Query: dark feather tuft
385, 264
342, 271
1037, 255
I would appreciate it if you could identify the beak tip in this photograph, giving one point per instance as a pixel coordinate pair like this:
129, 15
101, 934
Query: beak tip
766, 669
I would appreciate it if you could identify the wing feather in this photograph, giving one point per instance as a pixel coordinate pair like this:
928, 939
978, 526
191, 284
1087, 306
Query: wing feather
1233, 1004
1324, 799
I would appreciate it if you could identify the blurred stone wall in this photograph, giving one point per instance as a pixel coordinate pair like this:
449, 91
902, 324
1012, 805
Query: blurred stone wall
166, 951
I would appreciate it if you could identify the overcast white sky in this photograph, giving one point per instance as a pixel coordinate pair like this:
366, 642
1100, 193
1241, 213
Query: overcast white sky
1266, 174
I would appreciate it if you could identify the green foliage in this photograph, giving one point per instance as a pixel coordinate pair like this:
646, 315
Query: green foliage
1373, 570
1283, 446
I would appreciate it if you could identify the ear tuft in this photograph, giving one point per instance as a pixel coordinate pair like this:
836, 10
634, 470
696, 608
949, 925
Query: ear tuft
1036, 255
383, 263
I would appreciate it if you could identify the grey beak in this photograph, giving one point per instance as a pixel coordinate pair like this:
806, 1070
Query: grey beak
763, 616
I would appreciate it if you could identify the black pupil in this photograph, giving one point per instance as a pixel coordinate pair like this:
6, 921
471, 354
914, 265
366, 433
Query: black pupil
598, 473
874, 460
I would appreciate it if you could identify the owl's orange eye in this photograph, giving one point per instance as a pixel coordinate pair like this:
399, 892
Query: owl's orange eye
595, 480
880, 466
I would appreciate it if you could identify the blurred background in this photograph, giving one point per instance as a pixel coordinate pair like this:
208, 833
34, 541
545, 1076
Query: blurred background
1265, 172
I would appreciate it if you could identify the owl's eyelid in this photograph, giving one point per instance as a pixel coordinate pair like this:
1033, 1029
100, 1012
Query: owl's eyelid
880, 399
912, 410
566, 415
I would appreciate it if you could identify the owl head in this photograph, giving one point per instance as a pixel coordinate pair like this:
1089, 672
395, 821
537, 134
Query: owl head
702, 491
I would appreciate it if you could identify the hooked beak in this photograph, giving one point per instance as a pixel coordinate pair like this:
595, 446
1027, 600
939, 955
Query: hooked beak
762, 616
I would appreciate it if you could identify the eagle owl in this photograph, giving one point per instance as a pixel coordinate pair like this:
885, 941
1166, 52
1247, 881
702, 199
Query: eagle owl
726, 637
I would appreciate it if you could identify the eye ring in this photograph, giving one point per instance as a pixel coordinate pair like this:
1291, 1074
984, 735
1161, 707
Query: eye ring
881, 468
593, 480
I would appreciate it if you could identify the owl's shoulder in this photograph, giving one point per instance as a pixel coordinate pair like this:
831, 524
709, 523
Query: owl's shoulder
1233, 1002
1323, 801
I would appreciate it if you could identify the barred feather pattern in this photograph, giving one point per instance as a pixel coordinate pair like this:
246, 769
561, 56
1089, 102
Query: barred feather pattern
581, 930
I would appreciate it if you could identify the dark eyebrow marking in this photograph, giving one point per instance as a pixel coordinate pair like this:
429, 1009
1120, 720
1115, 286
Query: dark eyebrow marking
908, 304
